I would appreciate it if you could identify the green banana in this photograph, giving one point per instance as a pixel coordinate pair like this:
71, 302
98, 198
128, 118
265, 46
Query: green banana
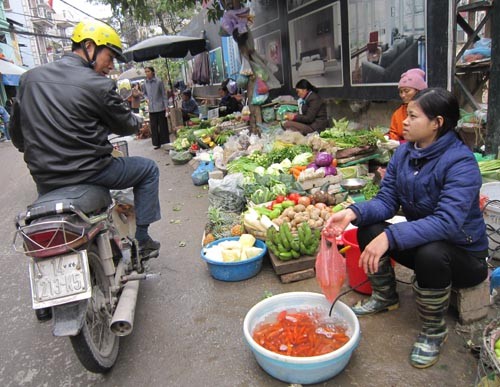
295, 245
283, 236
300, 232
285, 256
295, 254
288, 233
281, 248
270, 233
311, 250
307, 235
303, 249
272, 246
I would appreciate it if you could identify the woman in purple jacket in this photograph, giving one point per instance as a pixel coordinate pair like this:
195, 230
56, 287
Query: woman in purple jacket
435, 179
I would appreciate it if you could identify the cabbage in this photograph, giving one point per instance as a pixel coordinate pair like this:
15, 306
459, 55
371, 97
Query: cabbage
323, 159
260, 170
330, 171
274, 169
279, 189
302, 159
286, 163
313, 166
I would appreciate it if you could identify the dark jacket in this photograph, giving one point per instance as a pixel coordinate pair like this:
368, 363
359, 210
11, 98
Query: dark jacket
313, 112
62, 117
438, 190
232, 105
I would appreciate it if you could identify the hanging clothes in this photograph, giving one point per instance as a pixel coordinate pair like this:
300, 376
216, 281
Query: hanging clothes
201, 69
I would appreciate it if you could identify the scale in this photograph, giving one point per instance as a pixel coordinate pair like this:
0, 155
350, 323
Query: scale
354, 186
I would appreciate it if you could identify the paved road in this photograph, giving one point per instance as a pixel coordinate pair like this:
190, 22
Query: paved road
188, 327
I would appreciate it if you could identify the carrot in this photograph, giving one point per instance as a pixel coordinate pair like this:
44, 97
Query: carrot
299, 334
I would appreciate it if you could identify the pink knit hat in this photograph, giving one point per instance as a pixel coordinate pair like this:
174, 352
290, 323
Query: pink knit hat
414, 78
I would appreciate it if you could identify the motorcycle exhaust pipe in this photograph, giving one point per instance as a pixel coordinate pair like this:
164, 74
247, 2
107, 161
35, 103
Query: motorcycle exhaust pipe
122, 322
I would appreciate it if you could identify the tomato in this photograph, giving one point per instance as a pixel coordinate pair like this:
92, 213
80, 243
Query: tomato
294, 196
280, 198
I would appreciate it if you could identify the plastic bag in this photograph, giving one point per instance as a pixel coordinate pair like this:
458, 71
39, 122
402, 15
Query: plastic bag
268, 114
257, 98
227, 194
261, 86
242, 81
330, 268
283, 109
180, 158
200, 175
246, 67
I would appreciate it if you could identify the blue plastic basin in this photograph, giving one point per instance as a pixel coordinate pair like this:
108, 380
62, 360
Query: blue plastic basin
301, 370
235, 271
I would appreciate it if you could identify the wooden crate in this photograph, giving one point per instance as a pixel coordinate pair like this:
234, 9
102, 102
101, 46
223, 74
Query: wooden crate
294, 269
317, 183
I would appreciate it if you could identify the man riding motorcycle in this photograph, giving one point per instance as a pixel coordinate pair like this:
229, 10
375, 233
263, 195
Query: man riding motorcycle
63, 115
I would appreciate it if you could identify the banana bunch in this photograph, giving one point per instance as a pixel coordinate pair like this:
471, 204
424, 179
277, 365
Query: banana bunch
287, 246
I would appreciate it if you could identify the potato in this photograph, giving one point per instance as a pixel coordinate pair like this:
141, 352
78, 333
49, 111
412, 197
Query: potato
299, 208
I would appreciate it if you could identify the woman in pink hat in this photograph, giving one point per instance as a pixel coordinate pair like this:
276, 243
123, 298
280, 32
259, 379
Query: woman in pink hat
411, 83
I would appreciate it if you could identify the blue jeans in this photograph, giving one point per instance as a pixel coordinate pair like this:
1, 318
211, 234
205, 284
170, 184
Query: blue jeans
138, 172
5, 132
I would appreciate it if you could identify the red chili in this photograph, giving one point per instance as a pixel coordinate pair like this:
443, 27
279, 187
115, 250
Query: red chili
297, 332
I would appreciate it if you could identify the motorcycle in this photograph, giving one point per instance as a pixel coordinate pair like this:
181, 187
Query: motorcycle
84, 267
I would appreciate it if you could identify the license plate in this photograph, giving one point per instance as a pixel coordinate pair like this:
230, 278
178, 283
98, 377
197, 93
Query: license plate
59, 280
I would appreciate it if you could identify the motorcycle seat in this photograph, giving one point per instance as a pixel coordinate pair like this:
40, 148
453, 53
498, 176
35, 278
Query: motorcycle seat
85, 197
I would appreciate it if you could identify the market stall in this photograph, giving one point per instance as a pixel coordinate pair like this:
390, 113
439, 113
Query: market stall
278, 186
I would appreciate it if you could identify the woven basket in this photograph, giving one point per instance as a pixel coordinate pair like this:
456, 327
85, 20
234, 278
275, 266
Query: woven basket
488, 374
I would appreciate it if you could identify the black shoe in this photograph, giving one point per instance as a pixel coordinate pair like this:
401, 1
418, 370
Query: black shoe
149, 248
157, 147
44, 314
2, 139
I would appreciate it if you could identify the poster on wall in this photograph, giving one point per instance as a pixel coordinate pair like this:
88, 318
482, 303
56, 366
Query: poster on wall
231, 55
266, 11
292, 5
216, 66
386, 38
269, 48
316, 47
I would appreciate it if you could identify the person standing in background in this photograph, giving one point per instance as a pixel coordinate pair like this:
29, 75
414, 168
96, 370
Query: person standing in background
135, 98
4, 123
155, 94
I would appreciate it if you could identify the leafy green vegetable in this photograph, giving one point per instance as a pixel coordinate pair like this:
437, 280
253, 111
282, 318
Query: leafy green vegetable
370, 190
289, 152
347, 139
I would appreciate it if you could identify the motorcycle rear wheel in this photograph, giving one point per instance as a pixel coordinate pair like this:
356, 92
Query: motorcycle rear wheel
96, 346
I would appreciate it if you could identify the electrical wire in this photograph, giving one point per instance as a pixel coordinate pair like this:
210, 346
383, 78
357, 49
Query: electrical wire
39, 17
85, 13
28, 33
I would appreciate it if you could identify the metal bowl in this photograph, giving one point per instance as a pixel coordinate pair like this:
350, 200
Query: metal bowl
353, 184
